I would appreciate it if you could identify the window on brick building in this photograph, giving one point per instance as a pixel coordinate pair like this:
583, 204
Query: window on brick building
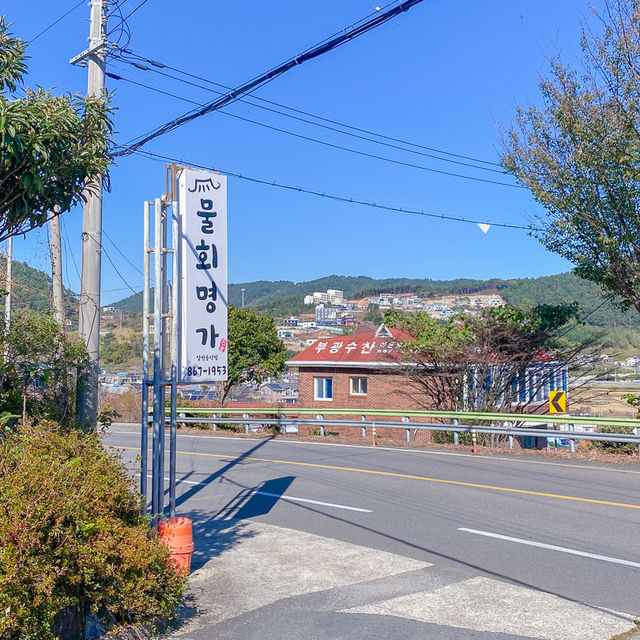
358, 386
323, 388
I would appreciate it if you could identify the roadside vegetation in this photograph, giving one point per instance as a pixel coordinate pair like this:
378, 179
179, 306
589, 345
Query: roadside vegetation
72, 539
73, 542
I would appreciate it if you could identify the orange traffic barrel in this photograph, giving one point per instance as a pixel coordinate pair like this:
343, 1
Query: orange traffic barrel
177, 534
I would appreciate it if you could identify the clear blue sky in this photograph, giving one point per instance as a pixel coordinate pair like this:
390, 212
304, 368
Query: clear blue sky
446, 75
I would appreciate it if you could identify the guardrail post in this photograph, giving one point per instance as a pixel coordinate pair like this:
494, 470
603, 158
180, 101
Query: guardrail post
363, 429
637, 432
283, 427
474, 441
508, 425
373, 434
246, 426
215, 424
321, 417
572, 442
456, 435
407, 431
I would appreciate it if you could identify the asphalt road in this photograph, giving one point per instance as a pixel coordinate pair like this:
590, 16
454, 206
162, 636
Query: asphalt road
563, 528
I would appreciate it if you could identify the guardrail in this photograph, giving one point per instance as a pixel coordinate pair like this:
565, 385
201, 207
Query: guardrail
459, 415
288, 420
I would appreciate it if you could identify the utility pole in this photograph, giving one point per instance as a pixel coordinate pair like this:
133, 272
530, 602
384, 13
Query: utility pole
56, 268
89, 324
242, 291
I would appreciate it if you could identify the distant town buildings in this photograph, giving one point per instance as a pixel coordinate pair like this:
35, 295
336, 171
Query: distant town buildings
331, 296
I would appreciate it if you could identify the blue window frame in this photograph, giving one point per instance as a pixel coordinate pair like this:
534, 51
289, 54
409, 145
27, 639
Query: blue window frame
323, 388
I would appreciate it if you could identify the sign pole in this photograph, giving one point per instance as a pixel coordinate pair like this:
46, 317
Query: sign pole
144, 427
196, 206
158, 408
175, 301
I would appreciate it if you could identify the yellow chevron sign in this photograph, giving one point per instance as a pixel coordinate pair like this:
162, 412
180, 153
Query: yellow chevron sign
557, 401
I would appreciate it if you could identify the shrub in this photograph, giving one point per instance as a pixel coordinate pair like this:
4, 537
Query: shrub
39, 367
446, 437
72, 538
614, 447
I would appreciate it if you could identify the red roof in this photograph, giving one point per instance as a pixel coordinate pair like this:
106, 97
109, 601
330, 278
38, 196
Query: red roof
364, 346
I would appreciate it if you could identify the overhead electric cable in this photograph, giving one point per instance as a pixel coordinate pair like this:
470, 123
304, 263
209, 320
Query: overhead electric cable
323, 194
254, 100
73, 259
117, 248
53, 24
106, 253
252, 85
136, 9
317, 141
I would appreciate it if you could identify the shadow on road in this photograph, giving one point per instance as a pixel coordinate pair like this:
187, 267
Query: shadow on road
220, 472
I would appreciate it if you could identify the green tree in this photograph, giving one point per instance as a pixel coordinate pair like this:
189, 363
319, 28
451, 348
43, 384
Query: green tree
39, 367
478, 362
51, 147
255, 351
580, 155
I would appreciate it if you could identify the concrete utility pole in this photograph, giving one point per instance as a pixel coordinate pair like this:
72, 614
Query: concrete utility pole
89, 324
56, 268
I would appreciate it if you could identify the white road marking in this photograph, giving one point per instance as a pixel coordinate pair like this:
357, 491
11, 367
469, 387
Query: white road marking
552, 547
282, 497
323, 504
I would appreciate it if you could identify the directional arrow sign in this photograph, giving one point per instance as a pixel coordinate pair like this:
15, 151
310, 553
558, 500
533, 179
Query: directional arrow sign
557, 402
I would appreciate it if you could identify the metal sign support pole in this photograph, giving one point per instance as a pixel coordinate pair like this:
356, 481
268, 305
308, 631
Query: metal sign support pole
166, 315
144, 426
175, 297
157, 480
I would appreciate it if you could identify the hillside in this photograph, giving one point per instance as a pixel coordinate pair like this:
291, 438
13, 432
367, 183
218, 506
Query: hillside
567, 287
284, 297
32, 289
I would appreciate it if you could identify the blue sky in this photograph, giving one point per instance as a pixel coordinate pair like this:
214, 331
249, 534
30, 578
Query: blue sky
444, 75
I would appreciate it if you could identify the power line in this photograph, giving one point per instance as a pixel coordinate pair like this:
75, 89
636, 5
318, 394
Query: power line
254, 100
318, 50
273, 183
108, 257
117, 248
53, 24
73, 259
317, 141
136, 9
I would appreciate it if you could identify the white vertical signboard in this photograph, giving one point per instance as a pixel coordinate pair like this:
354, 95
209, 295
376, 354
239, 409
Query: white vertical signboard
203, 276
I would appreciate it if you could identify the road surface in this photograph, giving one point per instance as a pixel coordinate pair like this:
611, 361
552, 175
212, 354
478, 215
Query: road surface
545, 542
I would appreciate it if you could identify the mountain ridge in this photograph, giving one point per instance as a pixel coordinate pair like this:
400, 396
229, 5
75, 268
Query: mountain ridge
285, 297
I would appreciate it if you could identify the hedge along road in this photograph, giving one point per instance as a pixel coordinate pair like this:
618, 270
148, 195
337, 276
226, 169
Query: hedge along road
567, 528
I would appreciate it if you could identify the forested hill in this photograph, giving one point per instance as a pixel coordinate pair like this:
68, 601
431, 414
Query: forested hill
32, 289
283, 297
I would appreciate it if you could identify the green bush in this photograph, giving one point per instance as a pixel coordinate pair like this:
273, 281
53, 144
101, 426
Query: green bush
614, 447
72, 538
446, 437
39, 367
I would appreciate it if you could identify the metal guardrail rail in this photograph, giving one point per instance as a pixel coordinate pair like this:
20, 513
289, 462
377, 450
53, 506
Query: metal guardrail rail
506, 427
458, 415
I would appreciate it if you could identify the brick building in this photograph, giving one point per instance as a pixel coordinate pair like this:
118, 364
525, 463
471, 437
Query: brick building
357, 372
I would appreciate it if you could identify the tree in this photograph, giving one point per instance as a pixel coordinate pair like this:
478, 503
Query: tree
580, 155
255, 351
51, 147
479, 363
39, 367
